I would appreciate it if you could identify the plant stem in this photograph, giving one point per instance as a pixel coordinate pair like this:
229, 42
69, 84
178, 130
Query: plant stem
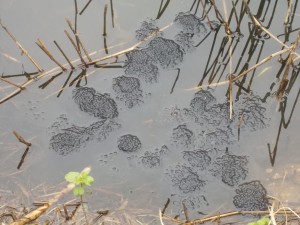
83, 209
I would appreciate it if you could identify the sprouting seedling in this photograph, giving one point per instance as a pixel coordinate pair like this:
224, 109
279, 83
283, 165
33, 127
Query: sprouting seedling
80, 180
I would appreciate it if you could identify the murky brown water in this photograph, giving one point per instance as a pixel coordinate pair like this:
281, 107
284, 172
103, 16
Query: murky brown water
157, 126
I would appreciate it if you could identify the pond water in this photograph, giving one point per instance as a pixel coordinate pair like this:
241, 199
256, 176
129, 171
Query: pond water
153, 122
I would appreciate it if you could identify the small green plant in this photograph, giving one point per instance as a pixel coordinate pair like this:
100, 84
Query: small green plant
262, 221
80, 180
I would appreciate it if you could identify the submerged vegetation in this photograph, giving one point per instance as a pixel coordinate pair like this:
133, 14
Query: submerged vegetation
203, 132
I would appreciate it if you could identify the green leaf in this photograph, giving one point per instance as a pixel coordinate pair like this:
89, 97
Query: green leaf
78, 191
72, 177
88, 181
262, 221
252, 223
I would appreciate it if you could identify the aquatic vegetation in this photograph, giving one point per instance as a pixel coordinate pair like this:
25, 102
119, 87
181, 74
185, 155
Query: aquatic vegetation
128, 90
148, 28
231, 169
199, 159
94, 103
129, 143
251, 196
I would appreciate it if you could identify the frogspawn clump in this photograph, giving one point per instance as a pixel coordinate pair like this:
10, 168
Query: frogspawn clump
139, 63
94, 103
185, 179
251, 112
197, 159
182, 136
202, 101
165, 52
190, 23
66, 142
185, 40
148, 29
128, 90
129, 143
231, 169
251, 196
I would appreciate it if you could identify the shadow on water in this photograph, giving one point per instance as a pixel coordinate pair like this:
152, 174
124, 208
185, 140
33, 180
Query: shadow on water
157, 139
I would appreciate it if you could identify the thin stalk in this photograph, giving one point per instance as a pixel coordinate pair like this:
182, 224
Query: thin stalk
24, 51
41, 44
12, 83
84, 8
75, 47
83, 209
112, 13
62, 52
79, 41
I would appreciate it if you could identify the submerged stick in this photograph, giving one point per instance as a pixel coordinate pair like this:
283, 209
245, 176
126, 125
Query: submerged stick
228, 214
84, 8
284, 81
28, 144
24, 51
41, 44
104, 29
257, 23
112, 13
23, 158
260, 63
12, 83
162, 8
62, 52
78, 40
76, 49
21, 139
